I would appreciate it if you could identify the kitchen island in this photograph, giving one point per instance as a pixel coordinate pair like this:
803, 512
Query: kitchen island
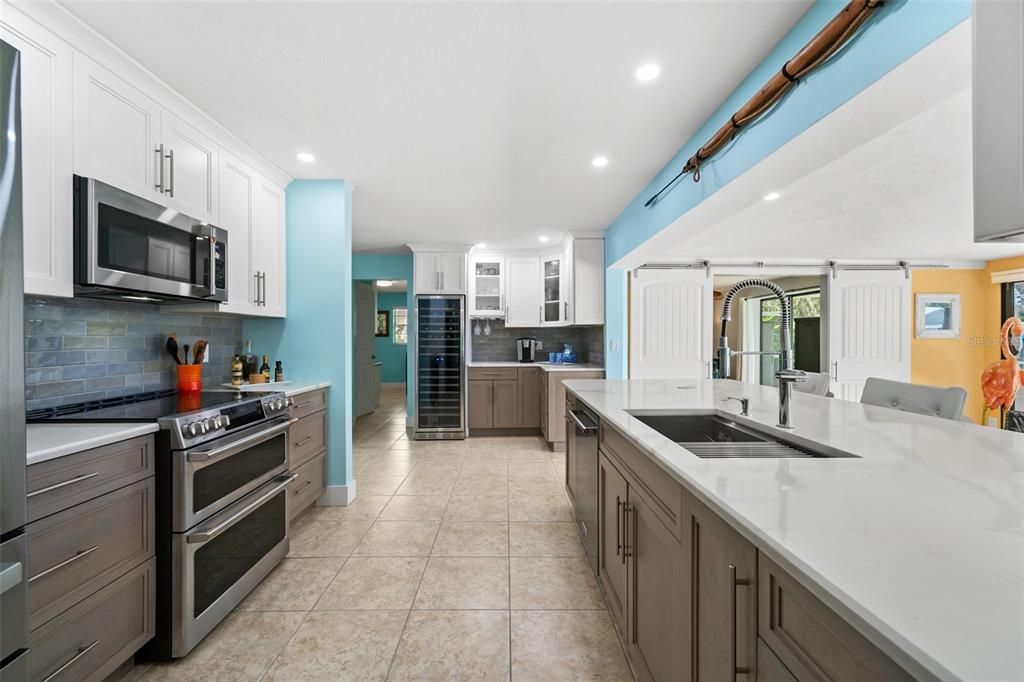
916, 540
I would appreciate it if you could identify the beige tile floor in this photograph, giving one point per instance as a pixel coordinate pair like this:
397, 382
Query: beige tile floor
458, 561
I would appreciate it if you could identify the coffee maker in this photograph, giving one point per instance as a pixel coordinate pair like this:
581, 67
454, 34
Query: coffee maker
526, 349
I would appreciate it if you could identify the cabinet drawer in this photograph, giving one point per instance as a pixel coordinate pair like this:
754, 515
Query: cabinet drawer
309, 402
308, 436
74, 553
665, 493
63, 482
310, 484
769, 667
493, 373
809, 638
93, 638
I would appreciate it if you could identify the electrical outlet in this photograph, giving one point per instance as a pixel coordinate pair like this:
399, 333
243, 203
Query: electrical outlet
540, 345
613, 344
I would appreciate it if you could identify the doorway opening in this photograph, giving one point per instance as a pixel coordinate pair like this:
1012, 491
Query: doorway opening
381, 330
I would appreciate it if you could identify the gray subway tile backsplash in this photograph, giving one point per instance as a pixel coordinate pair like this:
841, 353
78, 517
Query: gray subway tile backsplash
500, 345
81, 349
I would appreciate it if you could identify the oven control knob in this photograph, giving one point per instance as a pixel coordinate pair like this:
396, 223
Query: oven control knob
279, 404
218, 422
204, 426
191, 430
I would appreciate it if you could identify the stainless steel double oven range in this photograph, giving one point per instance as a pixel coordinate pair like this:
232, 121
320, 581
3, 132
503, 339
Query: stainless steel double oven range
221, 504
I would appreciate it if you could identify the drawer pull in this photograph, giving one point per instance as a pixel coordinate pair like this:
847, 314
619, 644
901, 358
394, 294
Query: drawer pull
80, 554
303, 487
82, 651
305, 404
303, 441
736, 582
58, 486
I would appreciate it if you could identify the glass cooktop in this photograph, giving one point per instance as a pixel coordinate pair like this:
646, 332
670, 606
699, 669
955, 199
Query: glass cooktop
138, 407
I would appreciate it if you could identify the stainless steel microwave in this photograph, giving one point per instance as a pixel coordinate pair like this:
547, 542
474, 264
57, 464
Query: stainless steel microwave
129, 248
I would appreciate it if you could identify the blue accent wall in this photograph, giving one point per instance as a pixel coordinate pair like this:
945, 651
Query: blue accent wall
314, 342
370, 266
385, 349
616, 324
898, 30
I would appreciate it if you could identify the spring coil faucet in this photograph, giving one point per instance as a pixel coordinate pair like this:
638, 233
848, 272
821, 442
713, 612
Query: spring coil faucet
786, 376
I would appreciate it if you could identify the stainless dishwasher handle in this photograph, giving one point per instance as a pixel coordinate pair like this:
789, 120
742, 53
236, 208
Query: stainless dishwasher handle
82, 651
583, 428
57, 486
209, 533
67, 562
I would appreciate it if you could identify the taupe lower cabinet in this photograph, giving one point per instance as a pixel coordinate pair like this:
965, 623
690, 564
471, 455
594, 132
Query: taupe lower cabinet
91, 560
307, 454
695, 601
503, 398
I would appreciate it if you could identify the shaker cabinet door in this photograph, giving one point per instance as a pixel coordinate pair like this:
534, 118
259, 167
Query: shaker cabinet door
46, 138
268, 247
237, 182
117, 132
191, 168
612, 495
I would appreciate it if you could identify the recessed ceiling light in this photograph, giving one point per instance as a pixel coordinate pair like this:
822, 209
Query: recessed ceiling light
772, 196
384, 282
648, 72
305, 157
599, 161
543, 238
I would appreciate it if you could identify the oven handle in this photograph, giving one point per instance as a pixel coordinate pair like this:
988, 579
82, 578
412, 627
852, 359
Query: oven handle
210, 532
240, 444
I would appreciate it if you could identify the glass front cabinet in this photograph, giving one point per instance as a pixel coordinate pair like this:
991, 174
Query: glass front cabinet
487, 286
554, 292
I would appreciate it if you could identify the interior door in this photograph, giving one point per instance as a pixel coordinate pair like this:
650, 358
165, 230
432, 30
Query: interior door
670, 325
366, 313
869, 329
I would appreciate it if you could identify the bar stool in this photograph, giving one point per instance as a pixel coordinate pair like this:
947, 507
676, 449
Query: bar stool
933, 401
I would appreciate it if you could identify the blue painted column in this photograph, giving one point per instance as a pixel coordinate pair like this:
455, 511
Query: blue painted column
314, 342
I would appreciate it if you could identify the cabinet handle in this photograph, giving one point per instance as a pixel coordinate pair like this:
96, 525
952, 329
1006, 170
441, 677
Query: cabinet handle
626, 509
303, 487
736, 582
57, 486
263, 289
835, 371
303, 441
82, 651
256, 294
159, 151
567, 311
442, 281
170, 159
618, 526
305, 404
67, 562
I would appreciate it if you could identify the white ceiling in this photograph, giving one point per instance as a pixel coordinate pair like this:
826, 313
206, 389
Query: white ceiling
887, 176
456, 122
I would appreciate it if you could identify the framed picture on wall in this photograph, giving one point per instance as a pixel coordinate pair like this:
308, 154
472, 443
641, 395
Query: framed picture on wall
937, 316
383, 323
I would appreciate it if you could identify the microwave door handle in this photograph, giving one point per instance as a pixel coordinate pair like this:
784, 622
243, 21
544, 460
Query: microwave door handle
207, 533
212, 241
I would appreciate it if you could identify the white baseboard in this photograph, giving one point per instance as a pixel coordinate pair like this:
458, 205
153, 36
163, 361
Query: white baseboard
410, 421
338, 495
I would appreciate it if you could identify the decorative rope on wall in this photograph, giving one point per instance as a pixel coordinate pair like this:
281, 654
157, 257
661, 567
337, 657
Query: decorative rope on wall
822, 46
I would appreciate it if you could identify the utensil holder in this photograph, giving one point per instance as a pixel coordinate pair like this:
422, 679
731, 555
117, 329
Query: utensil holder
190, 378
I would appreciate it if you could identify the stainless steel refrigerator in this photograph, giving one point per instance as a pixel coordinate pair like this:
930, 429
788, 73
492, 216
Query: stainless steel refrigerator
13, 580
440, 367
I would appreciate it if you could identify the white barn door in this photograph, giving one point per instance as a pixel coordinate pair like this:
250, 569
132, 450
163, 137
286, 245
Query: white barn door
869, 329
670, 326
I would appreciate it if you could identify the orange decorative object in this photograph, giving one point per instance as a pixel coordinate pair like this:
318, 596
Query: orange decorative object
1002, 379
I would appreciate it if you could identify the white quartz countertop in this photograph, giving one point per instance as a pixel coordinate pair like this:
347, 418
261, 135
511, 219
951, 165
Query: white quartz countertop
545, 366
49, 441
918, 541
288, 388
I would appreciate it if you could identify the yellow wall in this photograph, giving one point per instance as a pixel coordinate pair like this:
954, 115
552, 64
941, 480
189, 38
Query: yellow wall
960, 362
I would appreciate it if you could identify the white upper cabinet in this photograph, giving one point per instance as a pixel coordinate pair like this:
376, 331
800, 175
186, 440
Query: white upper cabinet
268, 248
117, 132
190, 169
486, 286
46, 127
587, 281
522, 291
439, 272
554, 300
237, 182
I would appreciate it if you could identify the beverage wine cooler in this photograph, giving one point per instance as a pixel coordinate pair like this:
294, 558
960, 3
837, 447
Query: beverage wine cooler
440, 367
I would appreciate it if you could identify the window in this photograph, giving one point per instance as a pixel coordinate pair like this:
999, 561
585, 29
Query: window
806, 307
401, 326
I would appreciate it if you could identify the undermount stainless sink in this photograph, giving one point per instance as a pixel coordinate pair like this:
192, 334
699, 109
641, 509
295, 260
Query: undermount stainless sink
713, 436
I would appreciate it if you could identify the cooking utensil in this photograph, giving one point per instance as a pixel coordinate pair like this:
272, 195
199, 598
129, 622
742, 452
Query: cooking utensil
172, 349
186, 353
200, 352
